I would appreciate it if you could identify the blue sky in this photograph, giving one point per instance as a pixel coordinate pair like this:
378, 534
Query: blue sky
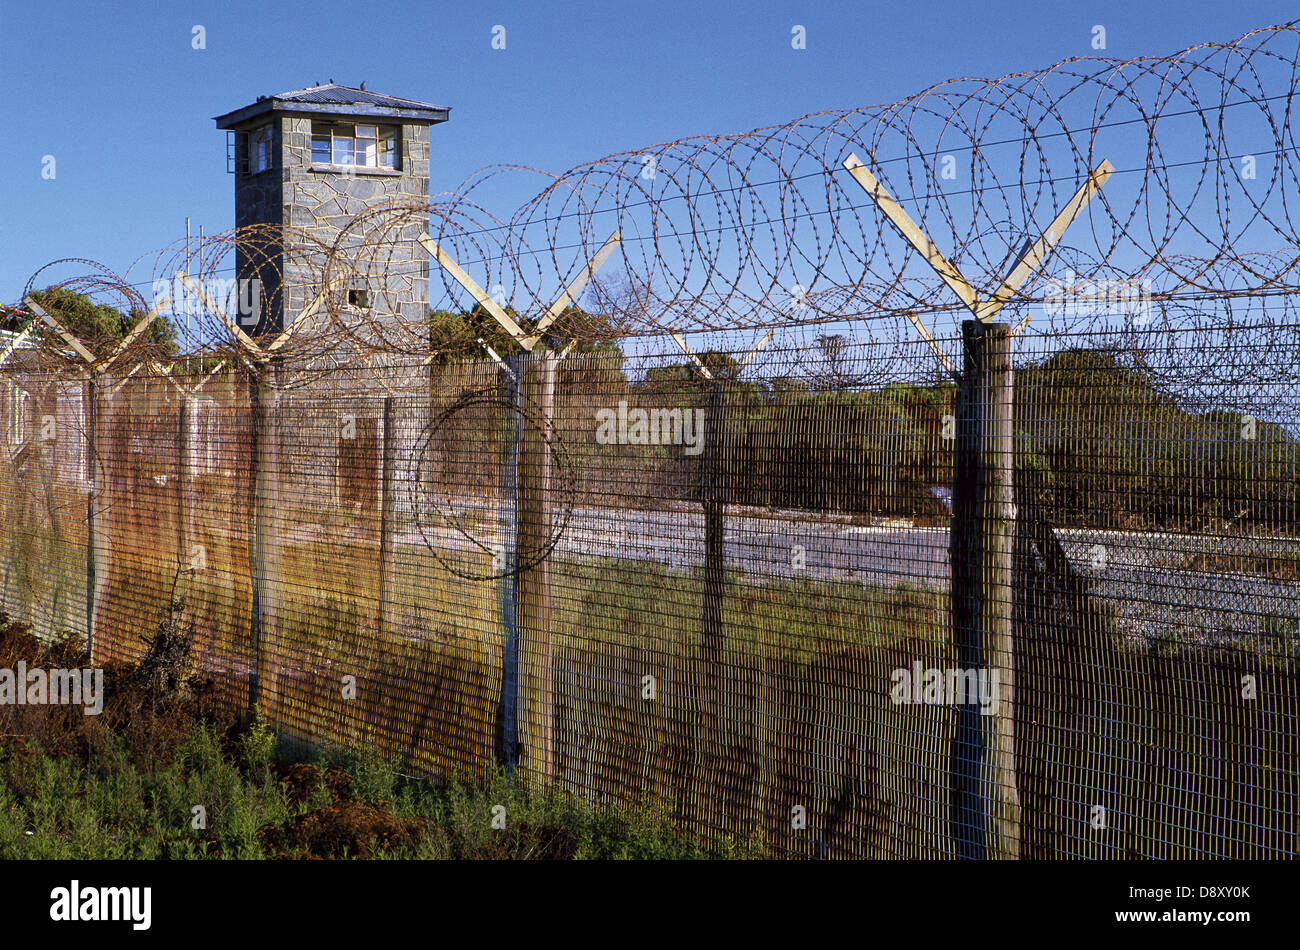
116, 93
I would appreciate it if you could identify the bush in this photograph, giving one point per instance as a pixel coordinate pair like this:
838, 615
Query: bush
258, 745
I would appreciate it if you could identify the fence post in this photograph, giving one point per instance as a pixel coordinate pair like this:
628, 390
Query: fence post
537, 393
506, 566
184, 450
98, 474
386, 516
714, 526
710, 747
262, 547
985, 805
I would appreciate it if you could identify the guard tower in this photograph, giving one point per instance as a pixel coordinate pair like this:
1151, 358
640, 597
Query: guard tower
311, 160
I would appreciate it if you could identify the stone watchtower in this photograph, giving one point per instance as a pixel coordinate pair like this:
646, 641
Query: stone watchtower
311, 160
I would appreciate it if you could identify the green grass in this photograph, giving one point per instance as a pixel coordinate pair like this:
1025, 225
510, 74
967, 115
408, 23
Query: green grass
642, 603
329, 589
338, 806
56, 807
606, 600
164, 773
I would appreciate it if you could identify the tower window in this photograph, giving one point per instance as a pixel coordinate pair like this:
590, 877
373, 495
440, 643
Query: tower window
356, 146
320, 146
359, 299
259, 150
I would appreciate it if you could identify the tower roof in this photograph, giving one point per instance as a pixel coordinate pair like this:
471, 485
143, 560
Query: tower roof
333, 99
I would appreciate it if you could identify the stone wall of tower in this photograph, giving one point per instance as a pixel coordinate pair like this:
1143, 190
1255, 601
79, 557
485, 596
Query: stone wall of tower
259, 201
324, 205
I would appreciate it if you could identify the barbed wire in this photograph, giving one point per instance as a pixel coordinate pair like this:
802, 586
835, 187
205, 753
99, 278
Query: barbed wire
767, 229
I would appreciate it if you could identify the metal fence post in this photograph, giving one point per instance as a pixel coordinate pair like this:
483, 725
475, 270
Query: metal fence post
262, 546
985, 805
507, 569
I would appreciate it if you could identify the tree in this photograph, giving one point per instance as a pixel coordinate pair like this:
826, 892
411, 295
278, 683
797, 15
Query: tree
1109, 448
99, 327
455, 337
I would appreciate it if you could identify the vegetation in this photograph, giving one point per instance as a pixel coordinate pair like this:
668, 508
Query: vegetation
1106, 447
96, 325
1100, 445
455, 337
638, 603
161, 775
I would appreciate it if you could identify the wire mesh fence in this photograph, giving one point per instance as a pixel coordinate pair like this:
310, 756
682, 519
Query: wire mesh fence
747, 602
878, 584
